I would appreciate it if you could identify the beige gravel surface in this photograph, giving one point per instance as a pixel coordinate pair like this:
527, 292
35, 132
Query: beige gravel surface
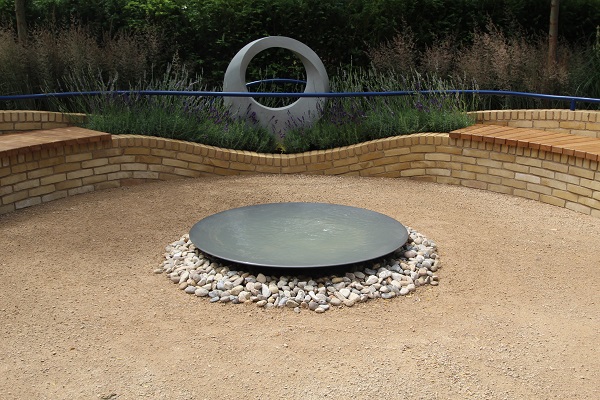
82, 316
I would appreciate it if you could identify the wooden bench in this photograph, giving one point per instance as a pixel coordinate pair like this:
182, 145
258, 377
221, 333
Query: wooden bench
561, 143
25, 142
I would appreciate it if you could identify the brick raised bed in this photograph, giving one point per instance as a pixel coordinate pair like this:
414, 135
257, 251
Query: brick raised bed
47, 174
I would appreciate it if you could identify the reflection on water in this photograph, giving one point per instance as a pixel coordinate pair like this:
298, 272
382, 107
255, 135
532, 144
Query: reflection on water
298, 234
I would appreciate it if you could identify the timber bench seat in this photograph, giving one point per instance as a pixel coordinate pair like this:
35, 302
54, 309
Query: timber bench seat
25, 142
554, 142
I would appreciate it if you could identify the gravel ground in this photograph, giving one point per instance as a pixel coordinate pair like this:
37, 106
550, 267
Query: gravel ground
83, 316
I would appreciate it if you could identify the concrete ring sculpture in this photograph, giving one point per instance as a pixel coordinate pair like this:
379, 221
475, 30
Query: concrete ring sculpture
305, 109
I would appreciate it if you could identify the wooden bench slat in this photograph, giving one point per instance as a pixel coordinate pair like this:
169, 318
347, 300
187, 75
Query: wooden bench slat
555, 142
24, 142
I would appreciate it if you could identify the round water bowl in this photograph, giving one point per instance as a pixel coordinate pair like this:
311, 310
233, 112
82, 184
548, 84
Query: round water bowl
298, 235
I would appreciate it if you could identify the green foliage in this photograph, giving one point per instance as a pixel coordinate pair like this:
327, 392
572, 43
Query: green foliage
194, 119
345, 121
207, 33
351, 120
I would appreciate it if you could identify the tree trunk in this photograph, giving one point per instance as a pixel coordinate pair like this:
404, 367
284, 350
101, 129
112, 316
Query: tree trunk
21, 21
553, 34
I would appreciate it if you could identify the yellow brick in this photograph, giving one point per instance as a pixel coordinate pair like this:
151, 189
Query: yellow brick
107, 169
28, 184
500, 189
412, 172
136, 151
372, 171
345, 161
555, 166
7, 126
32, 201
475, 168
423, 148
532, 162
502, 157
54, 196
38, 173
464, 175
582, 191
592, 126
553, 183
489, 179
567, 178
80, 173
41, 190
69, 184
516, 167
94, 163
201, 167
464, 160
578, 207
552, 200
501, 172
187, 172
5, 190
27, 126
217, 163
437, 157
449, 150
115, 176
592, 203
190, 157
475, 184
12, 179
571, 125
584, 173
595, 185
78, 157
111, 152
532, 187
564, 195
52, 161
81, 190
91, 180
514, 183
545, 124
14, 197
527, 178
241, 166
521, 124
489, 163
47, 180
367, 156
178, 163
320, 166
527, 194
422, 164
396, 151
122, 159
438, 171
541, 172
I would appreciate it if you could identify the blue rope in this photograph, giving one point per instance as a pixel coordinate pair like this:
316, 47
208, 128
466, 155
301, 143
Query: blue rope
572, 100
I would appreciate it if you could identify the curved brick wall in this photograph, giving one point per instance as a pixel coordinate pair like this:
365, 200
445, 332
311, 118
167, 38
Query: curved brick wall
48, 174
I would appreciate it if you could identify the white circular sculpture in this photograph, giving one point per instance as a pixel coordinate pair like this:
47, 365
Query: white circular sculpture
305, 110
